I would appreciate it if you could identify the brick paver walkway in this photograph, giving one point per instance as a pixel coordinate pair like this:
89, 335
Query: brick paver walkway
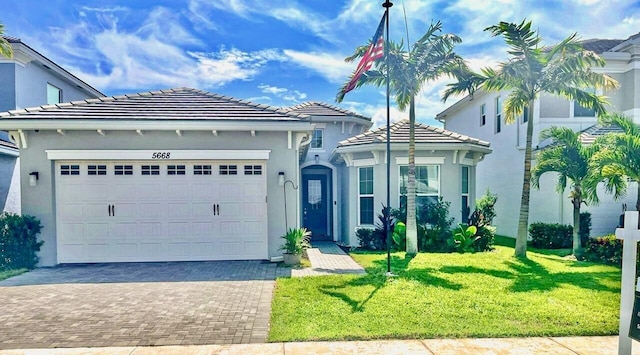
328, 259
136, 304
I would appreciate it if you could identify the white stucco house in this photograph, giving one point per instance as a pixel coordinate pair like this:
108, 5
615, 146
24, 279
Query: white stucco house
481, 116
183, 174
26, 80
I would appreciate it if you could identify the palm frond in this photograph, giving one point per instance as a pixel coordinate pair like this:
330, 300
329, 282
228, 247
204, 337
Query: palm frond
5, 46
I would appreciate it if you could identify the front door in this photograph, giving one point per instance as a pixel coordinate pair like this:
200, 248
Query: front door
315, 206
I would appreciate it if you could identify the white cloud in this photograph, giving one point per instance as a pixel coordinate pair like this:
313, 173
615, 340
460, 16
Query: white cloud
332, 67
283, 93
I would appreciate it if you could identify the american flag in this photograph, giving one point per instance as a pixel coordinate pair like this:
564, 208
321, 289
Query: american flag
374, 52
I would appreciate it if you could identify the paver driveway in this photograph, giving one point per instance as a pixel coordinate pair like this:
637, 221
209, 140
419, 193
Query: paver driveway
130, 304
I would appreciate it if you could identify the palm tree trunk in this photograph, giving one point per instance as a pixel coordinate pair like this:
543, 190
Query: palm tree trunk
577, 243
412, 227
523, 221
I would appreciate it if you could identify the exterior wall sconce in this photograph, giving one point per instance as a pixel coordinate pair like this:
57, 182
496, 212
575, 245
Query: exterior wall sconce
281, 178
33, 178
317, 159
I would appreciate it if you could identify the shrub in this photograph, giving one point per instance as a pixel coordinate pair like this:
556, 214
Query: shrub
481, 218
585, 227
375, 239
605, 249
19, 241
296, 240
399, 236
434, 227
551, 235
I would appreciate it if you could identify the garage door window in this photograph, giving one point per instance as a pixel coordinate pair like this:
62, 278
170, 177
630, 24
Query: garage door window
253, 169
96, 170
151, 170
202, 170
69, 169
123, 170
176, 170
228, 170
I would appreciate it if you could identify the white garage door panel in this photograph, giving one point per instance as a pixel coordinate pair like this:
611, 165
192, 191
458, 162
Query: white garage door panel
124, 218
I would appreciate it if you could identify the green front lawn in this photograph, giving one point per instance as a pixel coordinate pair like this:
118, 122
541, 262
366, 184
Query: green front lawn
11, 273
451, 295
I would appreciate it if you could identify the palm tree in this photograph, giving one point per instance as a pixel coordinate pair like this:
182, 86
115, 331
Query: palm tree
409, 69
618, 157
5, 47
570, 159
562, 70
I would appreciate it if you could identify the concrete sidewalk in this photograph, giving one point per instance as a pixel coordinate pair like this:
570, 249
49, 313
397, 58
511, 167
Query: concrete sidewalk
541, 345
328, 259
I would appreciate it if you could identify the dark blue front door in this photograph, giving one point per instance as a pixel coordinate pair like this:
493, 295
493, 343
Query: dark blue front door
316, 205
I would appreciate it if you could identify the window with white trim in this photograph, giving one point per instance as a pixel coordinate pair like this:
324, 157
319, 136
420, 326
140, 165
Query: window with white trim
483, 114
123, 170
253, 169
498, 114
365, 195
525, 115
427, 184
54, 94
228, 170
151, 170
96, 170
316, 139
464, 192
69, 169
176, 170
202, 170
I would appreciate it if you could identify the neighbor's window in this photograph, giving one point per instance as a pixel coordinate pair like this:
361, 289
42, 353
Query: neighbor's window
365, 192
464, 189
525, 115
581, 111
427, 184
316, 140
498, 115
54, 95
483, 114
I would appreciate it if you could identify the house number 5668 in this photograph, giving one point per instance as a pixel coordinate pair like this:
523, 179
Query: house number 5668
161, 155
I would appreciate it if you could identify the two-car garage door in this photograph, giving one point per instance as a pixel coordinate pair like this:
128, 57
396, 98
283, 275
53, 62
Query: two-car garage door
118, 211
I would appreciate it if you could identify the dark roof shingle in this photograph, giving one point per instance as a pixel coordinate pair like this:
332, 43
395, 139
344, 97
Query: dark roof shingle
423, 134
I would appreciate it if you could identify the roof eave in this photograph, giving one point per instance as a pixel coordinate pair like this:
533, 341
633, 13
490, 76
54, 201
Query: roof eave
153, 125
419, 147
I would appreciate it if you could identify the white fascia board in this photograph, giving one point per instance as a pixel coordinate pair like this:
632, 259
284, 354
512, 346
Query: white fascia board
173, 154
151, 125
421, 160
348, 119
419, 147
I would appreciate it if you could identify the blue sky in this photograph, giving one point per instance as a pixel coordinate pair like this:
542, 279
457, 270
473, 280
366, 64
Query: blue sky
279, 53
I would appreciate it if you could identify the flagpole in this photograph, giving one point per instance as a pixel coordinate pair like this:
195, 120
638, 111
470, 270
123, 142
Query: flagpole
387, 5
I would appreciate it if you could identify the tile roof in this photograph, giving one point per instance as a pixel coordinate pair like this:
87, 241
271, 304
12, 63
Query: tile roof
315, 108
423, 134
172, 104
12, 39
587, 136
600, 45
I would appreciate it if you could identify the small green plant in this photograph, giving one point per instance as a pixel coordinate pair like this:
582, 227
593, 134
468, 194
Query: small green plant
464, 238
482, 217
19, 241
296, 240
399, 236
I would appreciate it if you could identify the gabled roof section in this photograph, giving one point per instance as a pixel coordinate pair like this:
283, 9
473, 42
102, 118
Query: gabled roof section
600, 46
423, 134
314, 108
32, 54
172, 104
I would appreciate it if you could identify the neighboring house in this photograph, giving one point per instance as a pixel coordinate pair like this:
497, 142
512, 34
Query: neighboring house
183, 174
30, 79
445, 167
481, 115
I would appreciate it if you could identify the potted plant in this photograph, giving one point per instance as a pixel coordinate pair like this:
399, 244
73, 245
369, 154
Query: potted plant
296, 240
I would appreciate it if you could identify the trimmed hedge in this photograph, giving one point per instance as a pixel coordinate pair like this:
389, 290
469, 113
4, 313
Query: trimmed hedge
18, 241
551, 235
